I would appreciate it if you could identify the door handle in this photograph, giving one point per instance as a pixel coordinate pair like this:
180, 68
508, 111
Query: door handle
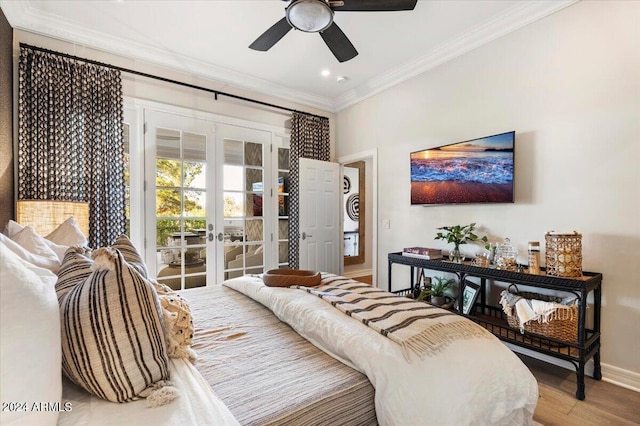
212, 237
304, 236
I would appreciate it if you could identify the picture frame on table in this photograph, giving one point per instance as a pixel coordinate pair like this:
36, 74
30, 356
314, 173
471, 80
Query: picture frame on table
469, 296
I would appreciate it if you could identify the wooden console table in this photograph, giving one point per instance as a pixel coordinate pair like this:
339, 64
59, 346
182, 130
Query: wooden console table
587, 344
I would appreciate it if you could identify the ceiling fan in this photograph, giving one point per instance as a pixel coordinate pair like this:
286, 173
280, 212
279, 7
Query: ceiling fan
313, 16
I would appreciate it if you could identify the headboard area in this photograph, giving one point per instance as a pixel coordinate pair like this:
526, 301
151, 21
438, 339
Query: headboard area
6, 122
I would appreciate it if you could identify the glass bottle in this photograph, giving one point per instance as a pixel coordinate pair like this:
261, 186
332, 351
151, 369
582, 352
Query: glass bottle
492, 254
534, 257
506, 256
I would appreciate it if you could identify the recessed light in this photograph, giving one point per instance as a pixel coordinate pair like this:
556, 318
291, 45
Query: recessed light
325, 73
342, 79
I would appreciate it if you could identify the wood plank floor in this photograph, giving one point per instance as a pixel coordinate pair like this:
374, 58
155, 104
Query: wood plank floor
605, 403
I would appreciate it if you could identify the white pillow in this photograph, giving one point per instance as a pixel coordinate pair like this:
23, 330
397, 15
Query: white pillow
30, 240
68, 234
57, 249
12, 228
30, 348
34, 243
37, 260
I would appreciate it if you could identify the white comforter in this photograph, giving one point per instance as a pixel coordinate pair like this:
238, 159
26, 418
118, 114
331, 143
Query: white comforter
197, 405
471, 382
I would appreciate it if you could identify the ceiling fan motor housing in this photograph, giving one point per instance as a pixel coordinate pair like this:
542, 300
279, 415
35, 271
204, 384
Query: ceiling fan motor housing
310, 16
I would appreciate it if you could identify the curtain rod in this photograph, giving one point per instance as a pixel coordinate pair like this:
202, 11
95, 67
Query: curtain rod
216, 93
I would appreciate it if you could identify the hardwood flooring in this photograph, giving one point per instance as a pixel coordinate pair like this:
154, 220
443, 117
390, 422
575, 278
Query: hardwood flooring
605, 403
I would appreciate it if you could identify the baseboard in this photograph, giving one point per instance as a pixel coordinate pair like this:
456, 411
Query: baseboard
588, 368
615, 375
621, 377
359, 273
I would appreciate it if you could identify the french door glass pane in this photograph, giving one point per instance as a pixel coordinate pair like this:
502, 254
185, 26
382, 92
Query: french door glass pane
233, 204
194, 202
194, 147
283, 253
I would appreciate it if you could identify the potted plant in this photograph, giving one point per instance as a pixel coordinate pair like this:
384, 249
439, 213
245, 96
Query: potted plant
439, 288
459, 235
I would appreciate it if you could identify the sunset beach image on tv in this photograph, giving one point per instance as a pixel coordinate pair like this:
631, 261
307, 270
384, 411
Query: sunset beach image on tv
474, 171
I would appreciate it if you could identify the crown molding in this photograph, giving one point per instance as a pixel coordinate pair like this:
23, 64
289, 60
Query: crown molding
22, 16
516, 17
14, 11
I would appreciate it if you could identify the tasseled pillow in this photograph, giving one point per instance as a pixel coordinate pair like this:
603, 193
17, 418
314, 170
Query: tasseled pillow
178, 322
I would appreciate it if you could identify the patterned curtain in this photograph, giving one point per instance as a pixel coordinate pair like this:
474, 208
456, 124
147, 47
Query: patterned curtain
309, 139
70, 138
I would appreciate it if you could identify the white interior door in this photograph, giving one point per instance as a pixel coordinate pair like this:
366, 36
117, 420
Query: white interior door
320, 233
179, 199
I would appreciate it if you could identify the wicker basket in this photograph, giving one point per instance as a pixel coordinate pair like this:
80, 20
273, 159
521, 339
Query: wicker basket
562, 324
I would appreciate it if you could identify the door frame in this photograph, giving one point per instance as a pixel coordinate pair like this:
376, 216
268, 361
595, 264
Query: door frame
134, 116
370, 156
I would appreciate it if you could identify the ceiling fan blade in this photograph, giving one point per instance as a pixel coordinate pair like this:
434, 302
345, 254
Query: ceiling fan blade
374, 5
338, 43
271, 36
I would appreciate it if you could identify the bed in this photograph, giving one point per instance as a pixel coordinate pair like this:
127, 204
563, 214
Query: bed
270, 356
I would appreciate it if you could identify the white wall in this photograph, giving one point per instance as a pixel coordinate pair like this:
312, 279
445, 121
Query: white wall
569, 85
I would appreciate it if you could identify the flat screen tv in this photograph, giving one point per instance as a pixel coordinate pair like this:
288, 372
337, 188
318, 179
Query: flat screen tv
474, 171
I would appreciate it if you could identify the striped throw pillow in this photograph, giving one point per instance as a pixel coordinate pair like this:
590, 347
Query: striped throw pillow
75, 268
130, 254
177, 314
113, 342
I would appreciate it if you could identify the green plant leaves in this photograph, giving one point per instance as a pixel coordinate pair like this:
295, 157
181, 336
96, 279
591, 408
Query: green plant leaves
459, 234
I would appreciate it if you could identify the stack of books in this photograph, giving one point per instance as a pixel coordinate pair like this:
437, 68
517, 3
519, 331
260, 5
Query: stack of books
422, 253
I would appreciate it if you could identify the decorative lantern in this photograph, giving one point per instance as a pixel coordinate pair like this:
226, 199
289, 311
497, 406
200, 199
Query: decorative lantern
564, 254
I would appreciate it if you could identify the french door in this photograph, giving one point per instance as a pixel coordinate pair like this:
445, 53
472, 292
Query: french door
245, 190
180, 199
215, 199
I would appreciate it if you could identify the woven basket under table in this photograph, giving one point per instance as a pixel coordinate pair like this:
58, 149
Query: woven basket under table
562, 324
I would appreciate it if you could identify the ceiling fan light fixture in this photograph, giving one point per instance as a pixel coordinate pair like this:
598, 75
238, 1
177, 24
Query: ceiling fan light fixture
310, 16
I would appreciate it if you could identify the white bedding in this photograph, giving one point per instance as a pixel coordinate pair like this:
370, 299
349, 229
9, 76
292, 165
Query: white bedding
197, 405
475, 381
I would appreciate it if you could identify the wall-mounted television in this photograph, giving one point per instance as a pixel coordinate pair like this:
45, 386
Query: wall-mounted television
474, 171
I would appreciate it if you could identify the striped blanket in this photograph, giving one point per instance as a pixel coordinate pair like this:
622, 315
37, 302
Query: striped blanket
416, 326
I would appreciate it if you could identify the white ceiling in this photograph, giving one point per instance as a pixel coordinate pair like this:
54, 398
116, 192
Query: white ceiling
211, 39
